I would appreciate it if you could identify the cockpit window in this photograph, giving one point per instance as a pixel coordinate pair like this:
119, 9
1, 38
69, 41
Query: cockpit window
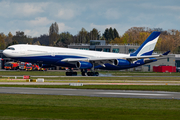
10, 48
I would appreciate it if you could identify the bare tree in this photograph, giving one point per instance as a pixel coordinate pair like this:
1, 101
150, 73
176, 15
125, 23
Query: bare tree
53, 33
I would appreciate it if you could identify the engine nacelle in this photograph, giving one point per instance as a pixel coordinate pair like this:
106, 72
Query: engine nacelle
121, 62
83, 65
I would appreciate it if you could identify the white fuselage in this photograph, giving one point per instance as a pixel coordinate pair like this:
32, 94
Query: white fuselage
24, 50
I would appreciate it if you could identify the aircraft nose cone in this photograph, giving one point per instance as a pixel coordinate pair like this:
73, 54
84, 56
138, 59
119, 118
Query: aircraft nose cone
5, 53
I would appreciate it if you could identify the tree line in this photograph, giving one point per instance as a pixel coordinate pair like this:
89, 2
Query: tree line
168, 40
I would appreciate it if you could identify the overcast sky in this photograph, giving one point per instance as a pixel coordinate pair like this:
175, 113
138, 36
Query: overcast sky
34, 17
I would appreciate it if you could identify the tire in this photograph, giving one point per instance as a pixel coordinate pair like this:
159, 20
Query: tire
71, 73
74, 73
96, 74
83, 73
68, 74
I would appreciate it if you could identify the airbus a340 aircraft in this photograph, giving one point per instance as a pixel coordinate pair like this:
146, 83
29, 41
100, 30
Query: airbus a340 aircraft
85, 59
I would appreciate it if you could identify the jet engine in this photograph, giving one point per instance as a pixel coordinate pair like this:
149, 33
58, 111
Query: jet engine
121, 62
83, 65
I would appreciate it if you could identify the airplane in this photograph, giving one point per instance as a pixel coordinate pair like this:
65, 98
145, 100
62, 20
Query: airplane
47, 56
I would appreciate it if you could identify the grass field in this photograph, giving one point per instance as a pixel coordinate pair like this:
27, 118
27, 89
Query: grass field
62, 73
35, 73
136, 79
45, 107
105, 79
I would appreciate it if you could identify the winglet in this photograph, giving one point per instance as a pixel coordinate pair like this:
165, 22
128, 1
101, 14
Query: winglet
166, 53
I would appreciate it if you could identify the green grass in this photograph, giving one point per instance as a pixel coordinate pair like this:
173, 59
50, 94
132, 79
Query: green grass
34, 73
62, 73
104, 78
137, 73
172, 88
45, 107
115, 78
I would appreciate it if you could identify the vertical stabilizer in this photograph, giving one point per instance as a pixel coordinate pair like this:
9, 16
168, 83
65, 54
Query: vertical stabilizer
148, 46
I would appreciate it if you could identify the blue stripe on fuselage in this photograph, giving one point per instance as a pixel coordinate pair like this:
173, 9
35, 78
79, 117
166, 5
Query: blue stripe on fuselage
54, 60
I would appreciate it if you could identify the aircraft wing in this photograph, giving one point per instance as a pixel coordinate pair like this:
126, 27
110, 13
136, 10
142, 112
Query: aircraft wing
110, 60
99, 61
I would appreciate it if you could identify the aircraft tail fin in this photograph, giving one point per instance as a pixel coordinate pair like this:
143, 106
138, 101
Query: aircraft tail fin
148, 46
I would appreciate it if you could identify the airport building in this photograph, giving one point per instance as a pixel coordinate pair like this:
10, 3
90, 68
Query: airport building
100, 45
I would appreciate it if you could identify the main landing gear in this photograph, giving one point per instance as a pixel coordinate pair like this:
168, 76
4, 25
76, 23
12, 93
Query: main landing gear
71, 73
92, 73
84, 73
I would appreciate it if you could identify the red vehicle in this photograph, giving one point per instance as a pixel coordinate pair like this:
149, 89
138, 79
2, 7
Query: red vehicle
11, 66
43, 69
36, 67
29, 66
22, 66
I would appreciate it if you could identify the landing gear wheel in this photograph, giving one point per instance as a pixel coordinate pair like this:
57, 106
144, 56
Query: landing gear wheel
96, 74
68, 74
93, 74
74, 73
83, 73
89, 73
71, 73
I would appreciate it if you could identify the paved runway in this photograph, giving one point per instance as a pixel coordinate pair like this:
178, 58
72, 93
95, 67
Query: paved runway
128, 82
56, 83
92, 93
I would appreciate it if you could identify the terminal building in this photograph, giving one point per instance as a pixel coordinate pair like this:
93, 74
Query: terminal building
100, 45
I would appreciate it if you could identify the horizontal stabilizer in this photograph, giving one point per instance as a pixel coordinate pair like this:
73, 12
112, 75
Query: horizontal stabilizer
166, 53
